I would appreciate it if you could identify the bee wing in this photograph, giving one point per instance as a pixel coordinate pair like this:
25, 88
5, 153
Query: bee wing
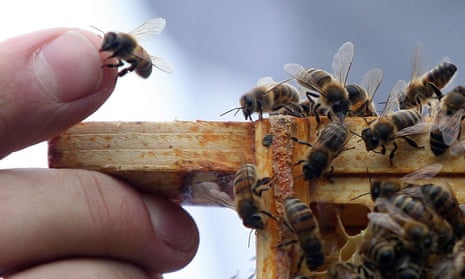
417, 129
457, 148
392, 103
396, 214
149, 28
294, 70
450, 126
417, 61
371, 81
210, 193
425, 172
342, 61
162, 64
265, 81
385, 221
327, 134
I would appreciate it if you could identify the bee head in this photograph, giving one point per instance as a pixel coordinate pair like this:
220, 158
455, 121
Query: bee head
355, 93
371, 141
341, 107
110, 42
311, 171
250, 215
254, 221
248, 104
314, 261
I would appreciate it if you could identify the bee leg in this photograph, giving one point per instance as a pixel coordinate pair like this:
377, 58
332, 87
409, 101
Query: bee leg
116, 65
330, 116
348, 148
264, 181
299, 162
436, 90
393, 151
286, 243
301, 141
383, 149
330, 174
317, 116
412, 143
123, 72
266, 213
131, 68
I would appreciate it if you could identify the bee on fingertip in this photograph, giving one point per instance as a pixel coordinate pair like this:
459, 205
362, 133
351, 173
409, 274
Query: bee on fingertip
125, 47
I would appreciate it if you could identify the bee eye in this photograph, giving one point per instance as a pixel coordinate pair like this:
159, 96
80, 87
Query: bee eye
311, 172
249, 101
254, 221
110, 41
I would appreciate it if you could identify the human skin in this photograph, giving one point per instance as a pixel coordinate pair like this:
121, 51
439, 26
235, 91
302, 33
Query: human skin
65, 223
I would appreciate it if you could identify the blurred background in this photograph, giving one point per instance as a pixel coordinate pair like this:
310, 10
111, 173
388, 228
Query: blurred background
220, 49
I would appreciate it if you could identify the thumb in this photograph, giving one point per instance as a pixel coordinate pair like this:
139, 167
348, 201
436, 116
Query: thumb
49, 81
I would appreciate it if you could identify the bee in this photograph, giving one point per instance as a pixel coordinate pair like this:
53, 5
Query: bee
404, 231
453, 266
418, 210
304, 225
248, 190
361, 96
301, 109
447, 121
377, 253
387, 188
125, 46
408, 239
392, 125
422, 88
333, 95
444, 202
329, 144
267, 96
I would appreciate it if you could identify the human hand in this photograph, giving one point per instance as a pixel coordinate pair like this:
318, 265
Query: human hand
61, 223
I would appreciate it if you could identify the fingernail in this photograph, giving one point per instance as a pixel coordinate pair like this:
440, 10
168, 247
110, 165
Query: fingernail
68, 68
180, 234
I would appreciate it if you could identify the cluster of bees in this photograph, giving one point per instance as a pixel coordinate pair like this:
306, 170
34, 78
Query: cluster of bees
329, 95
416, 229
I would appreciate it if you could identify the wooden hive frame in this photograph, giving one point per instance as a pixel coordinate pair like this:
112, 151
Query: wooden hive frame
168, 158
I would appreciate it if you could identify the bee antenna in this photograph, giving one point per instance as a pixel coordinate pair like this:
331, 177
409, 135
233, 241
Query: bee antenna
354, 133
367, 193
250, 235
97, 29
237, 110
359, 196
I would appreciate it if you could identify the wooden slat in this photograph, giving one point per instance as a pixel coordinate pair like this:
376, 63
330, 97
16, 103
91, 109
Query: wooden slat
161, 158
168, 158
